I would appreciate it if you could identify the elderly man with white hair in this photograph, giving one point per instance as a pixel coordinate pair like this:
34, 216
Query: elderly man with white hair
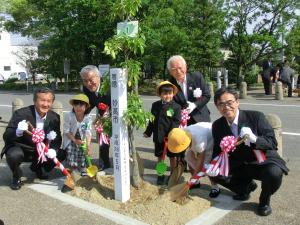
193, 93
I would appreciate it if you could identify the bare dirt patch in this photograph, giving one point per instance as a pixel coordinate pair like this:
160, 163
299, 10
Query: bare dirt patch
146, 204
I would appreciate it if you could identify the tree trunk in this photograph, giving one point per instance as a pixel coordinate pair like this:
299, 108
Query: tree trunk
136, 178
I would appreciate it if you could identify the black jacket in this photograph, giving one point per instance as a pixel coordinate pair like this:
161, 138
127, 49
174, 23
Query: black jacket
52, 122
194, 80
243, 154
163, 122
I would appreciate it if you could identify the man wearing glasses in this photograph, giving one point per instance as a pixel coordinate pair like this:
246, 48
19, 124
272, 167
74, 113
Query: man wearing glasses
256, 159
193, 92
19, 146
91, 79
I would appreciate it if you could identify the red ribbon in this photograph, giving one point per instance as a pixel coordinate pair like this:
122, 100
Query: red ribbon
38, 136
220, 164
184, 118
103, 138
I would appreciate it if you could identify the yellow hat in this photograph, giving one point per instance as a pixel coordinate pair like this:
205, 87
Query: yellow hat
80, 97
175, 90
178, 140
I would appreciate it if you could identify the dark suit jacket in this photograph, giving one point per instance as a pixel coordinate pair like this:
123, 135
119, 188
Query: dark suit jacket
243, 154
95, 100
52, 122
194, 80
163, 124
267, 66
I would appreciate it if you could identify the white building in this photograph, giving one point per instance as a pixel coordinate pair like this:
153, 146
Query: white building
15, 50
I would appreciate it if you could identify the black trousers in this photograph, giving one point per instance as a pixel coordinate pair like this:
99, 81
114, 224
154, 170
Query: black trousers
270, 176
16, 155
104, 155
266, 83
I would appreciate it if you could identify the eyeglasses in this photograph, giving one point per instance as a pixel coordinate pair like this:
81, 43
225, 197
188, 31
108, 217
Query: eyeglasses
90, 80
176, 68
224, 104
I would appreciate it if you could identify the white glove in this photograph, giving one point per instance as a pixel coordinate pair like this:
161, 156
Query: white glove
22, 126
51, 135
252, 137
51, 154
191, 107
197, 93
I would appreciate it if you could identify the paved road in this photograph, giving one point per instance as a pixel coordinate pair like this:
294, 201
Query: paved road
29, 207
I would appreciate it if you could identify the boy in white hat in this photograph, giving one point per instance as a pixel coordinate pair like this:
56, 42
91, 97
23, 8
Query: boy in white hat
167, 115
197, 141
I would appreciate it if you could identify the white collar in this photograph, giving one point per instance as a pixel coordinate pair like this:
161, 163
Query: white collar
38, 117
236, 119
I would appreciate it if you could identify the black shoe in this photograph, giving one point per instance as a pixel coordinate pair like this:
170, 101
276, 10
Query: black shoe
16, 184
160, 180
40, 175
214, 192
195, 186
264, 210
245, 196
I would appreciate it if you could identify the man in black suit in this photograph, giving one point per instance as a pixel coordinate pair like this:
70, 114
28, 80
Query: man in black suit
267, 66
91, 79
244, 163
19, 146
193, 92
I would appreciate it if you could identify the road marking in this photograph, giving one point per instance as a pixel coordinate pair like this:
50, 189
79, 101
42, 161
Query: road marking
224, 205
50, 188
289, 133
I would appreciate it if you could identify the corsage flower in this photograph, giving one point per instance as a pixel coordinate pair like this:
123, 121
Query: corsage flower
197, 93
170, 112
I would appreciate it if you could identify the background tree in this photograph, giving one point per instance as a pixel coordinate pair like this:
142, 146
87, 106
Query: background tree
293, 46
74, 29
255, 31
124, 50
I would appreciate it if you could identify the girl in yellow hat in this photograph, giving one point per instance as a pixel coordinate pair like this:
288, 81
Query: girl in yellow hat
77, 129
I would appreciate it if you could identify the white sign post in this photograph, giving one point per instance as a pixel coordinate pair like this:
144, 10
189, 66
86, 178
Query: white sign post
119, 138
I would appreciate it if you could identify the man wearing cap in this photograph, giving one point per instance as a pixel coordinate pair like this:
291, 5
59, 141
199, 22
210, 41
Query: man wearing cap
19, 146
167, 115
91, 79
193, 92
197, 141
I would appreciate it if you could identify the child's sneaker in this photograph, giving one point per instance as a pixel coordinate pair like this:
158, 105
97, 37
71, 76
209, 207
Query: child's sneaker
83, 172
160, 180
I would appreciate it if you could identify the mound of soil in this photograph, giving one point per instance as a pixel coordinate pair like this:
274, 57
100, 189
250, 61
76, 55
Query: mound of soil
149, 203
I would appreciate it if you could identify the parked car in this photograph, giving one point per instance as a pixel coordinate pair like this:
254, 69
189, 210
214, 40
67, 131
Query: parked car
39, 76
18, 75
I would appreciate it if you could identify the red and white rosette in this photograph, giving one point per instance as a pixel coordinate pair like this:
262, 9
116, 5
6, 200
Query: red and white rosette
220, 164
38, 136
184, 118
103, 138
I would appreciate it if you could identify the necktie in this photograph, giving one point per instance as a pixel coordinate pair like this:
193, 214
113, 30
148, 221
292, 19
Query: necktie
234, 129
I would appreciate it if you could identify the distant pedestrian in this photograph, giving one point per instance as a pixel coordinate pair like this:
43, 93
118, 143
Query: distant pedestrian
286, 76
267, 66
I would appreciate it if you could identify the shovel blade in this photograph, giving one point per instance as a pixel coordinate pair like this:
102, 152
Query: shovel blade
69, 182
92, 171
